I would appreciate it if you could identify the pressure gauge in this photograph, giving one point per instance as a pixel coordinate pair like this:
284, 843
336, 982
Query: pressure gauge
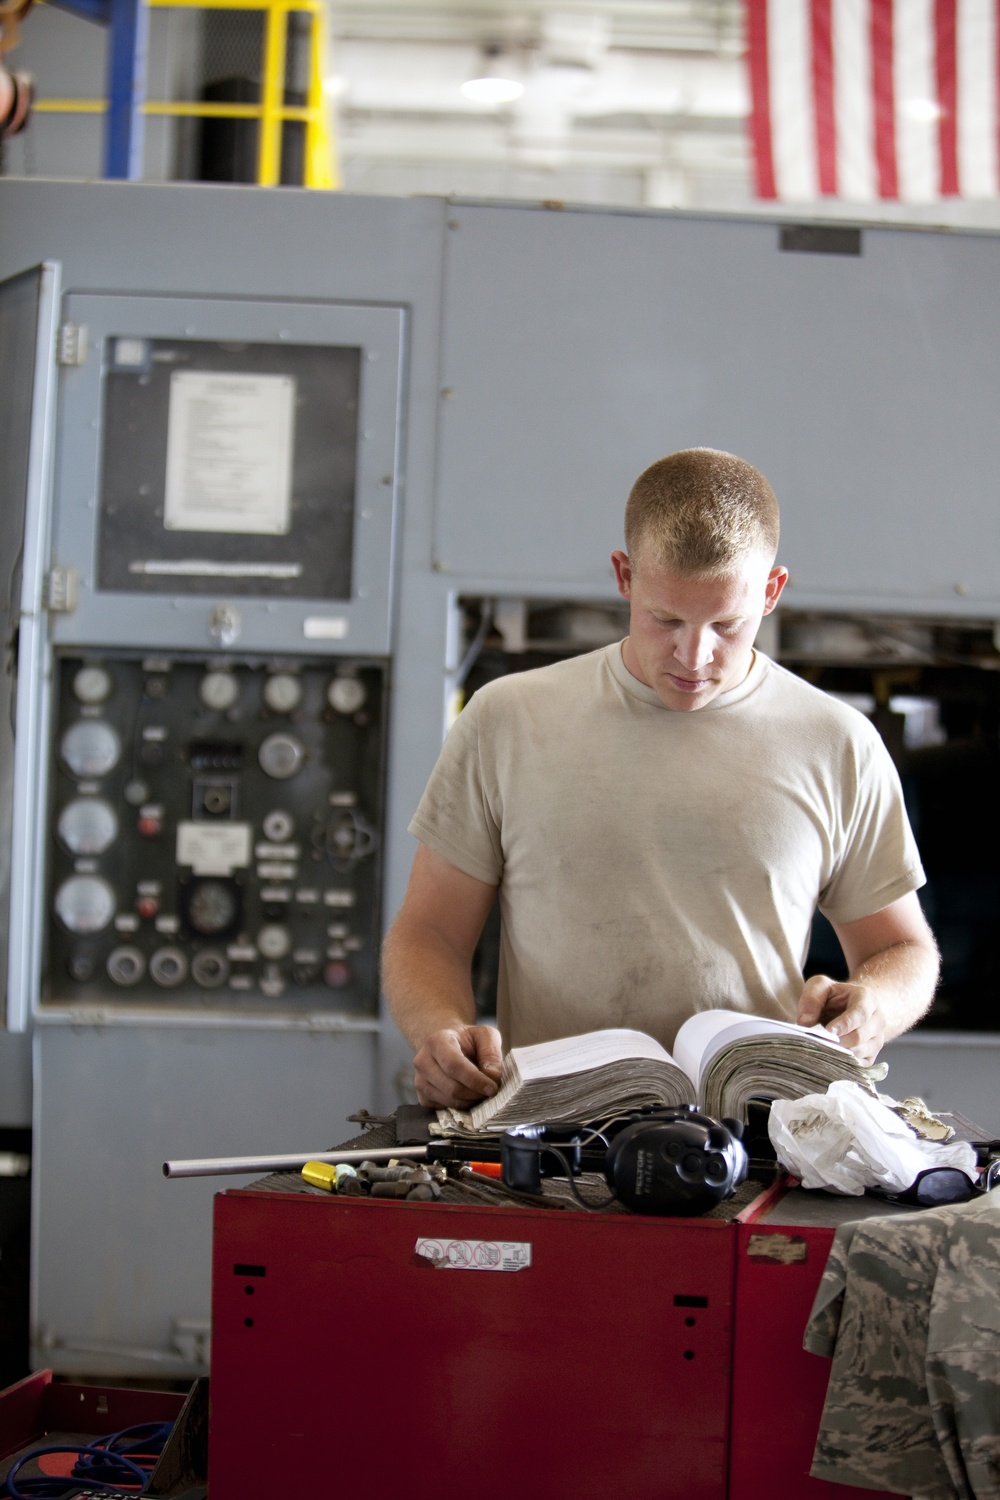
88, 825
346, 694
90, 748
282, 692
281, 756
212, 907
92, 685
218, 690
85, 903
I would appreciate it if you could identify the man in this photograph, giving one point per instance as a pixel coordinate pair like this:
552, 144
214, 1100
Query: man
662, 818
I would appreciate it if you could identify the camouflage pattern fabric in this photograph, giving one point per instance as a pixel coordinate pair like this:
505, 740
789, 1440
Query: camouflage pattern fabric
909, 1310
963, 1350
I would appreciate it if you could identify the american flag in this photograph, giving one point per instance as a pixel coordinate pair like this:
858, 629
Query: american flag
868, 99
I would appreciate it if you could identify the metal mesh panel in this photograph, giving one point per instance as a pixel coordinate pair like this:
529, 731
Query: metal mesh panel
233, 45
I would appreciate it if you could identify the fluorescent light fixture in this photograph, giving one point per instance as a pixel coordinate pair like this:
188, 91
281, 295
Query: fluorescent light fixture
492, 90
493, 85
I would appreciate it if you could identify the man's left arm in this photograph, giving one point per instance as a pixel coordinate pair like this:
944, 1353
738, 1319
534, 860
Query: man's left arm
893, 965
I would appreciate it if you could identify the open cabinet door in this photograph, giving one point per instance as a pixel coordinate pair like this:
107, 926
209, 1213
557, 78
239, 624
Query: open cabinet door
28, 321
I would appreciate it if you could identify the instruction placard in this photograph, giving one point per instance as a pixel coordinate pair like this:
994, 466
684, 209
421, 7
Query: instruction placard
229, 453
476, 1255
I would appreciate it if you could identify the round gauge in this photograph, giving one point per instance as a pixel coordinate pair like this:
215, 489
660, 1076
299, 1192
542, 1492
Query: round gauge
90, 748
274, 940
218, 690
281, 756
85, 903
346, 694
282, 692
88, 825
92, 685
278, 826
212, 907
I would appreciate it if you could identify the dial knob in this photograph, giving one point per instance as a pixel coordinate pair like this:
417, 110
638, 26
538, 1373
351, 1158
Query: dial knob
212, 907
278, 825
92, 685
218, 690
85, 903
346, 694
274, 940
281, 756
282, 692
90, 748
88, 825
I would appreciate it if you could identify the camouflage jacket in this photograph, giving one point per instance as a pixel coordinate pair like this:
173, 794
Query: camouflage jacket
909, 1310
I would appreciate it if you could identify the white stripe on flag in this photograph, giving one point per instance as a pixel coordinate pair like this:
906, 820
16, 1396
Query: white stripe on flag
977, 99
852, 78
915, 84
793, 130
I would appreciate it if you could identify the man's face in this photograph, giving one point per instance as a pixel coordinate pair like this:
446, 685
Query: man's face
691, 639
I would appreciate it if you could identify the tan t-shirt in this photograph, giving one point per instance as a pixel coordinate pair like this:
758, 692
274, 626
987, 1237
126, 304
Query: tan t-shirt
651, 862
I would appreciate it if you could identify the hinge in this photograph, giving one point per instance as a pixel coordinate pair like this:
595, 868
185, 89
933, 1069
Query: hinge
60, 591
71, 348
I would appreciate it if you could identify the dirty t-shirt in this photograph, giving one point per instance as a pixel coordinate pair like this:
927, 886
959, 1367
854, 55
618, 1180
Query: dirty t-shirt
654, 862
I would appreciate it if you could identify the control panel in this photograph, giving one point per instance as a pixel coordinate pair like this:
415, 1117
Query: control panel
215, 830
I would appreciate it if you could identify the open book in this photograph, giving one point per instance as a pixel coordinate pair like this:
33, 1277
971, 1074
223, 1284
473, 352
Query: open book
721, 1059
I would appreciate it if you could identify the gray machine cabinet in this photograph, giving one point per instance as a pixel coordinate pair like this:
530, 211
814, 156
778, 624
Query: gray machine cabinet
28, 310
579, 347
122, 1255
272, 618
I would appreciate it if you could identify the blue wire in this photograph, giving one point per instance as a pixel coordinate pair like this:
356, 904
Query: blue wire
95, 1460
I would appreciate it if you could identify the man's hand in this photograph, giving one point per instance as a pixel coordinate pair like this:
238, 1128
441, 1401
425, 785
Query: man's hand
893, 962
849, 1010
458, 1066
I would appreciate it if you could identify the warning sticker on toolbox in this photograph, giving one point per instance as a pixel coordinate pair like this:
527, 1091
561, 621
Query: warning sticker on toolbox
475, 1255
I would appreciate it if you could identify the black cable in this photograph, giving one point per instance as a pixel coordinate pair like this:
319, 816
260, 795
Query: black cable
592, 1208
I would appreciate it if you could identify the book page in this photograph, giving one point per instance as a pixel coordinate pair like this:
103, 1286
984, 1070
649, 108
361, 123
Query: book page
703, 1036
577, 1054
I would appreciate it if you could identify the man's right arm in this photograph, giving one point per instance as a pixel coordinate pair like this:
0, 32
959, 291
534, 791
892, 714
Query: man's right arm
426, 976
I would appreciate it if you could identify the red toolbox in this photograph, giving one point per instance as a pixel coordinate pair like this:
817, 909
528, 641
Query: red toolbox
38, 1411
381, 1348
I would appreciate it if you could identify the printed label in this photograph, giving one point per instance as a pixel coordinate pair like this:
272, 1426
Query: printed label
476, 1255
214, 848
786, 1249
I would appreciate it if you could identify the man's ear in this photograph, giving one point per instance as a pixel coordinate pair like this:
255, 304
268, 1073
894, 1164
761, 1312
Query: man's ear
776, 580
623, 573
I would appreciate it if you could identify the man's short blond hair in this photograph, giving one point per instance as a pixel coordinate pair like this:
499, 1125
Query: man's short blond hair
701, 512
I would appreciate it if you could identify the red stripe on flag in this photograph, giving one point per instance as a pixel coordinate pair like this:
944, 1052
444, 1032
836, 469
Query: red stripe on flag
883, 98
822, 79
946, 71
760, 98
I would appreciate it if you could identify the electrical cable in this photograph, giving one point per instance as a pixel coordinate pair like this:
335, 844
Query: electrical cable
592, 1208
110, 1464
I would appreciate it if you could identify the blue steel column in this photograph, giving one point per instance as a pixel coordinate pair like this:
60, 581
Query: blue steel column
128, 45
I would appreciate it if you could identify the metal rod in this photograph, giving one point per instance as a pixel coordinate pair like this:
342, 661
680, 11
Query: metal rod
223, 1166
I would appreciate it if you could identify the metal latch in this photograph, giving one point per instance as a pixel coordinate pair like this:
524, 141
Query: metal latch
60, 591
71, 348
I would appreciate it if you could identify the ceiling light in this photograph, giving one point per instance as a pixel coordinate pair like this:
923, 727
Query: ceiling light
493, 84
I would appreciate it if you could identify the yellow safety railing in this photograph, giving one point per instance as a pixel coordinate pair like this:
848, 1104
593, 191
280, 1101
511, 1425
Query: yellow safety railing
319, 168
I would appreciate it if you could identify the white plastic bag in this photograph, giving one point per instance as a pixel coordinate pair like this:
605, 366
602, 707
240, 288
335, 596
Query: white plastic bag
847, 1140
